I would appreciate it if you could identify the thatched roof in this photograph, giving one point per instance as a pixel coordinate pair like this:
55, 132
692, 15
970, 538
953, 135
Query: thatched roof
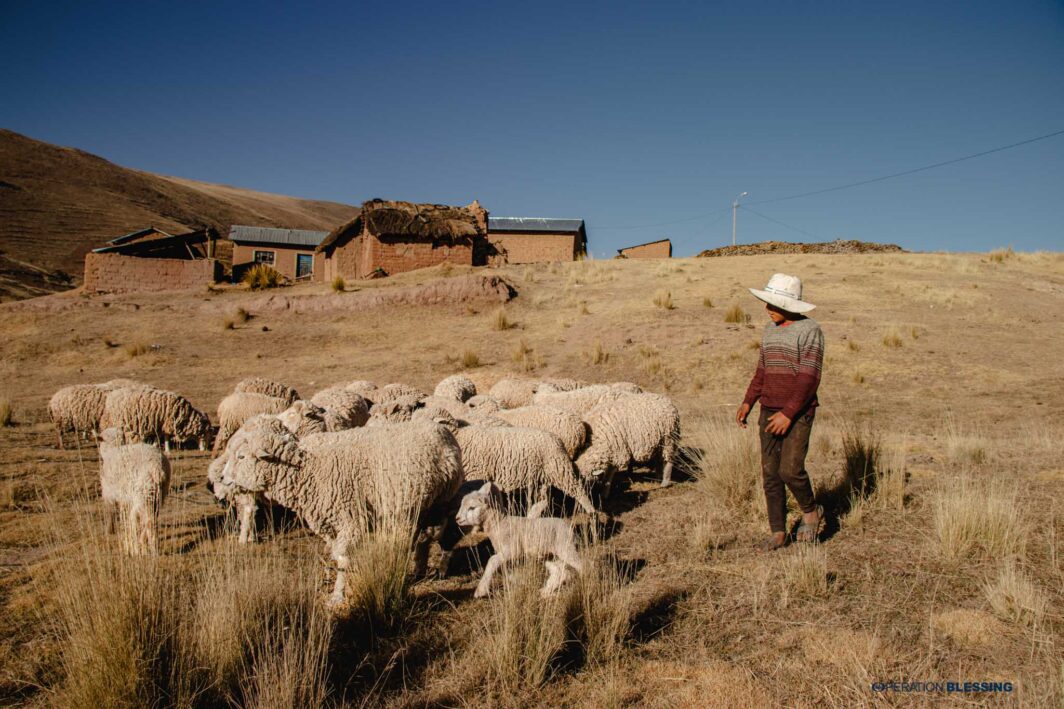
406, 219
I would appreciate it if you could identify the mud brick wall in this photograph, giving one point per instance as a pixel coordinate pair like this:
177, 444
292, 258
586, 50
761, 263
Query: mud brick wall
115, 273
534, 247
397, 256
284, 258
659, 249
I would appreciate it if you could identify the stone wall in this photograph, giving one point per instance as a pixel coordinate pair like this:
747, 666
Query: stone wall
534, 248
115, 273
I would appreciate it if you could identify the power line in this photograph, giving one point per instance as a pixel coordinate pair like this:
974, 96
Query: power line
913, 171
721, 212
782, 224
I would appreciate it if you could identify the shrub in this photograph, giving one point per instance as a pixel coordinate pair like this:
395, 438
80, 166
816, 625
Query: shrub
7, 417
260, 276
970, 516
339, 285
500, 321
470, 359
663, 299
735, 314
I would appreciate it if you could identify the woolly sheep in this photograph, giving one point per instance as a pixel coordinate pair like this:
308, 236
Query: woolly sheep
363, 388
391, 392
343, 408
629, 430
577, 401
520, 460
301, 418
134, 479
145, 413
511, 393
79, 407
397, 410
259, 385
344, 483
567, 426
483, 402
562, 384
456, 387
240, 406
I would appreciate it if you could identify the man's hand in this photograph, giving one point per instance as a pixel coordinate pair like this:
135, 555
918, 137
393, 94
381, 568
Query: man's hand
778, 424
741, 414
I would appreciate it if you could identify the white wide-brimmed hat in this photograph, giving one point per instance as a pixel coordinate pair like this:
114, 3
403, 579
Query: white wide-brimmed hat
785, 292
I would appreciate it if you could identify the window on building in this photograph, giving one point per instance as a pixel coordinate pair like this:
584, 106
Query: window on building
264, 257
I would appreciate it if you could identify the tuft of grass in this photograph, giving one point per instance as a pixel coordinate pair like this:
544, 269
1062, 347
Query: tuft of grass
663, 299
525, 357
725, 461
805, 574
735, 314
379, 583
753, 345
500, 321
338, 285
597, 354
853, 346
1014, 598
530, 275
892, 338
7, 415
914, 332
861, 448
1000, 255
582, 308
964, 446
983, 516
135, 349
241, 316
858, 377
261, 277
228, 324
470, 359
707, 302
600, 610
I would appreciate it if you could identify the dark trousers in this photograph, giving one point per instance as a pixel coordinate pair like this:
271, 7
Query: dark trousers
783, 468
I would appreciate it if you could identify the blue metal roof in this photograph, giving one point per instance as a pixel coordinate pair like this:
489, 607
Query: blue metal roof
268, 235
534, 224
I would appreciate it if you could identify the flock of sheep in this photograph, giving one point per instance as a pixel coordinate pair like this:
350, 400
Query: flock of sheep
355, 455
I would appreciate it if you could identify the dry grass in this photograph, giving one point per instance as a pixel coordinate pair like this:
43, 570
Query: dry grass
338, 285
500, 320
525, 357
1015, 598
964, 446
135, 349
978, 516
596, 355
7, 415
663, 299
1000, 255
469, 359
852, 346
805, 574
736, 314
725, 462
261, 277
892, 338
707, 302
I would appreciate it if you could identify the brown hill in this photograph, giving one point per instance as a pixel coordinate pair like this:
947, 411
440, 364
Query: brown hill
839, 246
58, 203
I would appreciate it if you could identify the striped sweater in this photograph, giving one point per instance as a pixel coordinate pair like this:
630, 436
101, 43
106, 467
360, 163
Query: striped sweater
788, 368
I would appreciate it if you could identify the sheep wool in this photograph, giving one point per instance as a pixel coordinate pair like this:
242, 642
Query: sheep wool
240, 406
363, 388
391, 392
145, 413
79, 407
520, 460
343, 484
456, 387
260, 385
483, 402
511, 393
629, 430
343, 408
567, 426
301, 418
134, 480
398, 410
577, 401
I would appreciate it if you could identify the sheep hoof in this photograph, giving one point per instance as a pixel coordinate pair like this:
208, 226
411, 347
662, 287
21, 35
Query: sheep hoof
481, 593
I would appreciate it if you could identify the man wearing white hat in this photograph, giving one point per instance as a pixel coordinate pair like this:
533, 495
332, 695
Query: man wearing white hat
786, 382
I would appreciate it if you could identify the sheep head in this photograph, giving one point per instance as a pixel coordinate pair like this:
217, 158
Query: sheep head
593, 463
476, 506
303, 418
255, 456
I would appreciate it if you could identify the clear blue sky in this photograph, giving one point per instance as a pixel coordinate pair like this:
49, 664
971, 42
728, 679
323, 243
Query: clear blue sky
631, 116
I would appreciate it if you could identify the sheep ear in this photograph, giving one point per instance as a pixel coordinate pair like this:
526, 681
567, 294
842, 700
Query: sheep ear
487, 488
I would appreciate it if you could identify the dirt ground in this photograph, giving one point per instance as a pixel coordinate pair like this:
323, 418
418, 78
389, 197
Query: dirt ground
951, 360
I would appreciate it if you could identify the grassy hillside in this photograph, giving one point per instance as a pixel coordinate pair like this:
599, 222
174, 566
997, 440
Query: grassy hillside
58, 203
939, 383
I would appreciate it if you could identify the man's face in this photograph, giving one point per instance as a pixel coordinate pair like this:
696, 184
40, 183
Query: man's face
775, 313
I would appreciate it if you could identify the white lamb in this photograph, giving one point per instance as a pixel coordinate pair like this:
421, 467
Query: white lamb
145, 413
134, 480
567, 426
456, 387
343, 484
513, 538
630, 430
343, 408
524, 460
260, 385
240, 406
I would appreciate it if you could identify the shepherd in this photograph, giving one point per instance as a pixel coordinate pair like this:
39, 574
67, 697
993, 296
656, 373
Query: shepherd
786, 382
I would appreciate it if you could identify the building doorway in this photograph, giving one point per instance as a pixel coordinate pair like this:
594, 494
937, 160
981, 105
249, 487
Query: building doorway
304, 265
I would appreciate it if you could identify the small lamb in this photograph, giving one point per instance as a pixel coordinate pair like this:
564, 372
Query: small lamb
517, 537
134, 479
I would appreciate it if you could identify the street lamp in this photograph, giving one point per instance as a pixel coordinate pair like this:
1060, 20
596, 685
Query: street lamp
734, 210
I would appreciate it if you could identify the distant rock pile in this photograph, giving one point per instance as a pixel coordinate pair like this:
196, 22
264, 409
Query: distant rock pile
839, 246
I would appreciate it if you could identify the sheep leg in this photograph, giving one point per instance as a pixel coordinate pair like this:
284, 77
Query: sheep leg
150, 528
59, 436
607, 485
666, 474
246, 508
556, 576
421, 553
111, 510
484, 587
343, 563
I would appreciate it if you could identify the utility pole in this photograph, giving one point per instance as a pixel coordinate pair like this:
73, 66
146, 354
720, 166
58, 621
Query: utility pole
734, 211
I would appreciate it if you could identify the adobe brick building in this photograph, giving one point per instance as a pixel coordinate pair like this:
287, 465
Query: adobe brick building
535, 239
291, 252
389, 237
652, 249
153, 260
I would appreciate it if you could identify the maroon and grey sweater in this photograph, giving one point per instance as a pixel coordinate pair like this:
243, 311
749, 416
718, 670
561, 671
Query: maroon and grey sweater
788, 368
